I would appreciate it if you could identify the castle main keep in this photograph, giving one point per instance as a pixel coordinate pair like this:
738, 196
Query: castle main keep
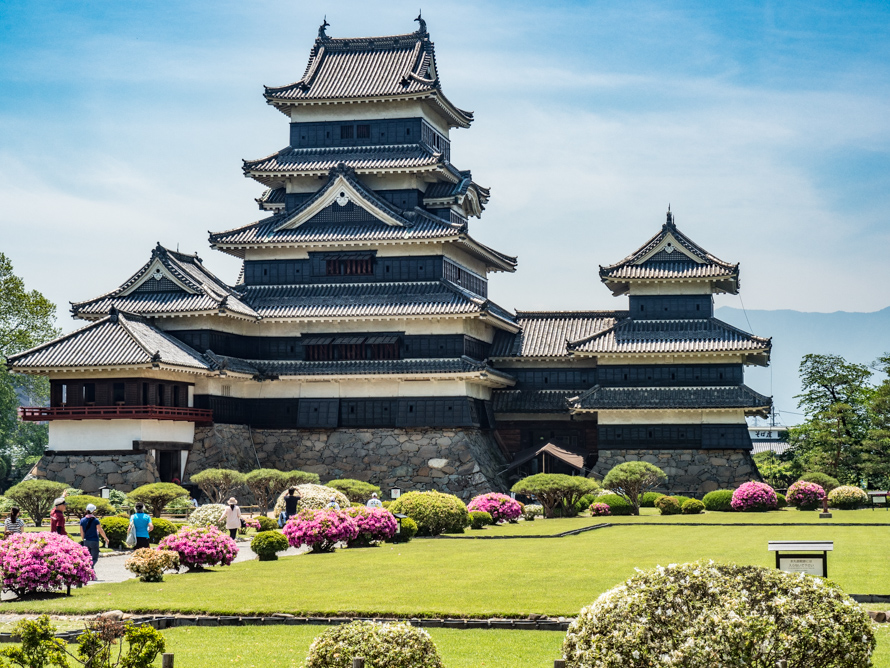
359, 339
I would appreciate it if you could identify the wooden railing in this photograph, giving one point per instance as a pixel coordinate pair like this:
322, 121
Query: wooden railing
44, 414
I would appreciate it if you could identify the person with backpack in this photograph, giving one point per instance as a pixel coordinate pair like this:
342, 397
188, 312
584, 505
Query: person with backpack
90, 530
141, 523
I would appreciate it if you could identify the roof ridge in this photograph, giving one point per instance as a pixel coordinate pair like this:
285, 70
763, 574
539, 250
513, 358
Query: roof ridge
59, 339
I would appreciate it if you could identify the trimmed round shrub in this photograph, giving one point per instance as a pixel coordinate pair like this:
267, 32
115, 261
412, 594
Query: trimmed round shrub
150, 564
824, 480
598, 509
805, 495
754, 497
847, 497
313, 497
382, 645
668, 505
76, 506
705, 614
406, 530
649, 498
201, 546
480, 519
209, 515
434, 512
501, 507
681, 499
157, 495
162, 529
692, 507
375, 525
267, 523
719, 500
266, 545
532, 510
320, 529
781, 501
356, 491
116, 530
584, 503
618, 505
43, 562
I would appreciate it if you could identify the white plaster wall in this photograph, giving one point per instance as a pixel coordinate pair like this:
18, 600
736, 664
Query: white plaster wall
295, 389
694, 358
369, 110
678, 288
115, 434
734, 416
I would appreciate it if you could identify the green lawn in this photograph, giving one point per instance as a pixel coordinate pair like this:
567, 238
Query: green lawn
287, 646
474, 577
783, 516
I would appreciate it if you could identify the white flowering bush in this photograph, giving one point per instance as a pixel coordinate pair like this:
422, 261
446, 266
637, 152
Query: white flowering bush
705, 614
847, 497
531, 511
315, 497
383, 645
210, 515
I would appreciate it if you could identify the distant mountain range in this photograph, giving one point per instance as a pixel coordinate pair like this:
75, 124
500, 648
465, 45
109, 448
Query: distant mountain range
857, 337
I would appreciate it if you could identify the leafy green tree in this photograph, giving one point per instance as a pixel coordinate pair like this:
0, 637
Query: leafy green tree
36, 497
775, 470
835, 398
27, 319
218, 484
356, 491
875, 457
632, 479
555, 490
156, 495
76, 506
265, 485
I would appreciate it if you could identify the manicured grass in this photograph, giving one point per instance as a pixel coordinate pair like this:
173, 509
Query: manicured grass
783, 516
474, 577
287, 647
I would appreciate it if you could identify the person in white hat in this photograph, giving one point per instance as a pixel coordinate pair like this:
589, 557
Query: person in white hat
57, 517
232, 516
374, 502
333, 504
90, 530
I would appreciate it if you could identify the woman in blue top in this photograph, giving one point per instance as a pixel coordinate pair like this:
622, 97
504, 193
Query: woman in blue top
142, 523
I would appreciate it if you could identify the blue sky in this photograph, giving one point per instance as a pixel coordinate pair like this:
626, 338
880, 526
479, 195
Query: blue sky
765, 125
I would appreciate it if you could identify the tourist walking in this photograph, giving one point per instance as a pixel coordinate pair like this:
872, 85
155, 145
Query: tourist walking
90, 530
232, 516
57, 517
141, 523
291, 502
13, 523
332, 504
374, 502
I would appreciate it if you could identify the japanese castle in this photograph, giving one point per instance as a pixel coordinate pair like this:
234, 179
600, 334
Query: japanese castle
359, 340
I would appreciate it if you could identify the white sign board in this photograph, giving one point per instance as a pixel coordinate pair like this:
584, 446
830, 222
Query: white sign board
808, 565
878, 499
396, 493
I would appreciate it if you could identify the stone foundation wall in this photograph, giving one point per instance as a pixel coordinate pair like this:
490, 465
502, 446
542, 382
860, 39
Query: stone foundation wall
464, 462
699, 471
90, 472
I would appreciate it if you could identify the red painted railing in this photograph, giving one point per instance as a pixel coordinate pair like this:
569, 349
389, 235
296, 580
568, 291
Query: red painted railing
43, 414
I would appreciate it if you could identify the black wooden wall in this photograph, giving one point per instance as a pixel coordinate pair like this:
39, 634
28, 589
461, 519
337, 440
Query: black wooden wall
674, 436
668, 307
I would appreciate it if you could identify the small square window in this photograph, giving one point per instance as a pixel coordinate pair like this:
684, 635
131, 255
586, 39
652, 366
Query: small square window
363, 131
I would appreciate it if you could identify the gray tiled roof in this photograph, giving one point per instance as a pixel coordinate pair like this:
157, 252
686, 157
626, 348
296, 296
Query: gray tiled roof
532, 401
297, 161
366, 300
670, 336
456, 191
266, 369
676, 265
209, 293
119, 339
272, 199
545, 333
604, 398
370, 67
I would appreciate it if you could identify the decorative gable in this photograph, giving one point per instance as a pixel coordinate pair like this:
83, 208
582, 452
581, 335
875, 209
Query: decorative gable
158, 278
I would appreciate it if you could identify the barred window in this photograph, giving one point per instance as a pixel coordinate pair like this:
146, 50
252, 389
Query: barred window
363, 131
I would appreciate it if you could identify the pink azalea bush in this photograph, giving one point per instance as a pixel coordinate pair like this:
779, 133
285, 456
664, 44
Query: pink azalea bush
375, 525
199, 547
600, 509
754, 497
500, 506
43, 562
321, 529
805, 495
